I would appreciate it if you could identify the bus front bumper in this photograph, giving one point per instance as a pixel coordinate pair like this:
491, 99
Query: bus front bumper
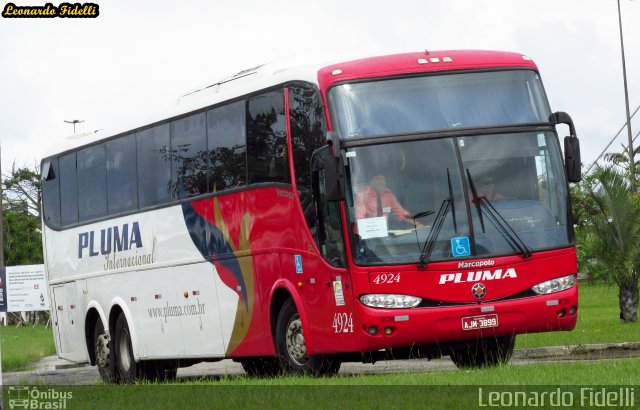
394, 328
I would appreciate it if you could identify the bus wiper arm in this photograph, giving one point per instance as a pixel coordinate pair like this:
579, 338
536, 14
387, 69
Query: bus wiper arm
475, 199
447, 203
504, 228
497, 220
435, 231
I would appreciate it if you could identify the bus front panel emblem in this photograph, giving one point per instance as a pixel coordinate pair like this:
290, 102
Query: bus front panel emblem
478, 291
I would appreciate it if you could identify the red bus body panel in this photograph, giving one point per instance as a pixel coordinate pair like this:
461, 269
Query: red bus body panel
267, 228
271, 247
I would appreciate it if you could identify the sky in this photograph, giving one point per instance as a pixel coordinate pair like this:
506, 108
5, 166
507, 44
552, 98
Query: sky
137, 57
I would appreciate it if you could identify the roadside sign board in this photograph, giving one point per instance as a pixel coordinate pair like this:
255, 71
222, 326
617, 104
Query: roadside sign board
25, 288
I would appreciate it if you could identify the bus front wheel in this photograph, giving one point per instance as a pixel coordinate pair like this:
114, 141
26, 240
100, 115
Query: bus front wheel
292, 349
485, 352
103, 349
128, 369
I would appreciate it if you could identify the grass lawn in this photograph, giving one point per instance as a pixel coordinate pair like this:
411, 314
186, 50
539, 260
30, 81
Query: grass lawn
578, 382
610, 372
24, 345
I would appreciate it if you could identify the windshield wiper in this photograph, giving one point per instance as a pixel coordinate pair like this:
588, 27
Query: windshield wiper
498, 221
447, 204
435, 230
475, 199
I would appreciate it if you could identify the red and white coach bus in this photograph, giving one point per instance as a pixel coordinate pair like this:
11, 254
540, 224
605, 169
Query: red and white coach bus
304, 215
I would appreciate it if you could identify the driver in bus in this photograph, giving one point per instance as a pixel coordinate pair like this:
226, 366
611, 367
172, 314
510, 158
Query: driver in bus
377, 200
486, 189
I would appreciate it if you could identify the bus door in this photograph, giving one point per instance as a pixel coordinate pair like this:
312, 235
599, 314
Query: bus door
197, 295
67, 321
333, 306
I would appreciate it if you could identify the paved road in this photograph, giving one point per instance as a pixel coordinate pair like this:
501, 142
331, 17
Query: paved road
54, 371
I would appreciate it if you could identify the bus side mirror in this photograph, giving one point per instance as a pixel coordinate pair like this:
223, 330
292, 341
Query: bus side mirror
334, 179
572, 161
330, 174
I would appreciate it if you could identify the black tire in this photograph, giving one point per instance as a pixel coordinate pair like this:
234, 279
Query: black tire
484, 352
128, 369
160, 370
103, 350
261, 366
291, 347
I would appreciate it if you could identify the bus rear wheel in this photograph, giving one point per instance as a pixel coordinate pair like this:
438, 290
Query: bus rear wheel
485, 352
292, 349
128, 369
103, 350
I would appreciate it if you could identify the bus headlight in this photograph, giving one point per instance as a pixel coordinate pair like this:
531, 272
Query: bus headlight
390, 301
555, 285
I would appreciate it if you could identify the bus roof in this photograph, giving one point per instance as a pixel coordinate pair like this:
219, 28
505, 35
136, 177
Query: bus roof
426, 61
321, 70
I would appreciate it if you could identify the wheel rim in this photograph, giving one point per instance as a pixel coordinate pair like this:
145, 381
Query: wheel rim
295, 341
102, 351
124, 350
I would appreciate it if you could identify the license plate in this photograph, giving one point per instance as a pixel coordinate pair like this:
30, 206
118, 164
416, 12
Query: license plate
479, 322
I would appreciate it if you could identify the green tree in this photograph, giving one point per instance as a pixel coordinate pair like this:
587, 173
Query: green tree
22, 188
22, 238
21, 196
613, 235
621, 159
583, 210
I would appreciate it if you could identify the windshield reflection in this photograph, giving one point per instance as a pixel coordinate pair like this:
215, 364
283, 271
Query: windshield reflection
396, 188
438, 102
409, 203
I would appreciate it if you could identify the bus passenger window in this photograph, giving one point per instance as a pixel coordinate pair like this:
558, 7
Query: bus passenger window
154, 166
68, 190
227, 147
122, 187
308, 133
92, 181
51, 192
267, 158
189, 163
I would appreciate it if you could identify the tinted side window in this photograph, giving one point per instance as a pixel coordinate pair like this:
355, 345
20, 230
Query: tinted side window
189, 156
92, 179
154, 165
122, 184
51, 192
308, 133
227, 146
68, 189
328, 235
267, 158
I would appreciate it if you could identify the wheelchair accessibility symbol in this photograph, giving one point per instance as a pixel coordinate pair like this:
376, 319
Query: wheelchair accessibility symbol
460, 246
298, 261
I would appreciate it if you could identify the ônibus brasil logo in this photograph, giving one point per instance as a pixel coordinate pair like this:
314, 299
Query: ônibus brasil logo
35, 397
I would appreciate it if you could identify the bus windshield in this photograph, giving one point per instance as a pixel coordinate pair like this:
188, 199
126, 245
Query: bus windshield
438, 102
473, 196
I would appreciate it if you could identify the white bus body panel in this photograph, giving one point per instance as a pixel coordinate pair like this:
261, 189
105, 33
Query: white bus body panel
172, 296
